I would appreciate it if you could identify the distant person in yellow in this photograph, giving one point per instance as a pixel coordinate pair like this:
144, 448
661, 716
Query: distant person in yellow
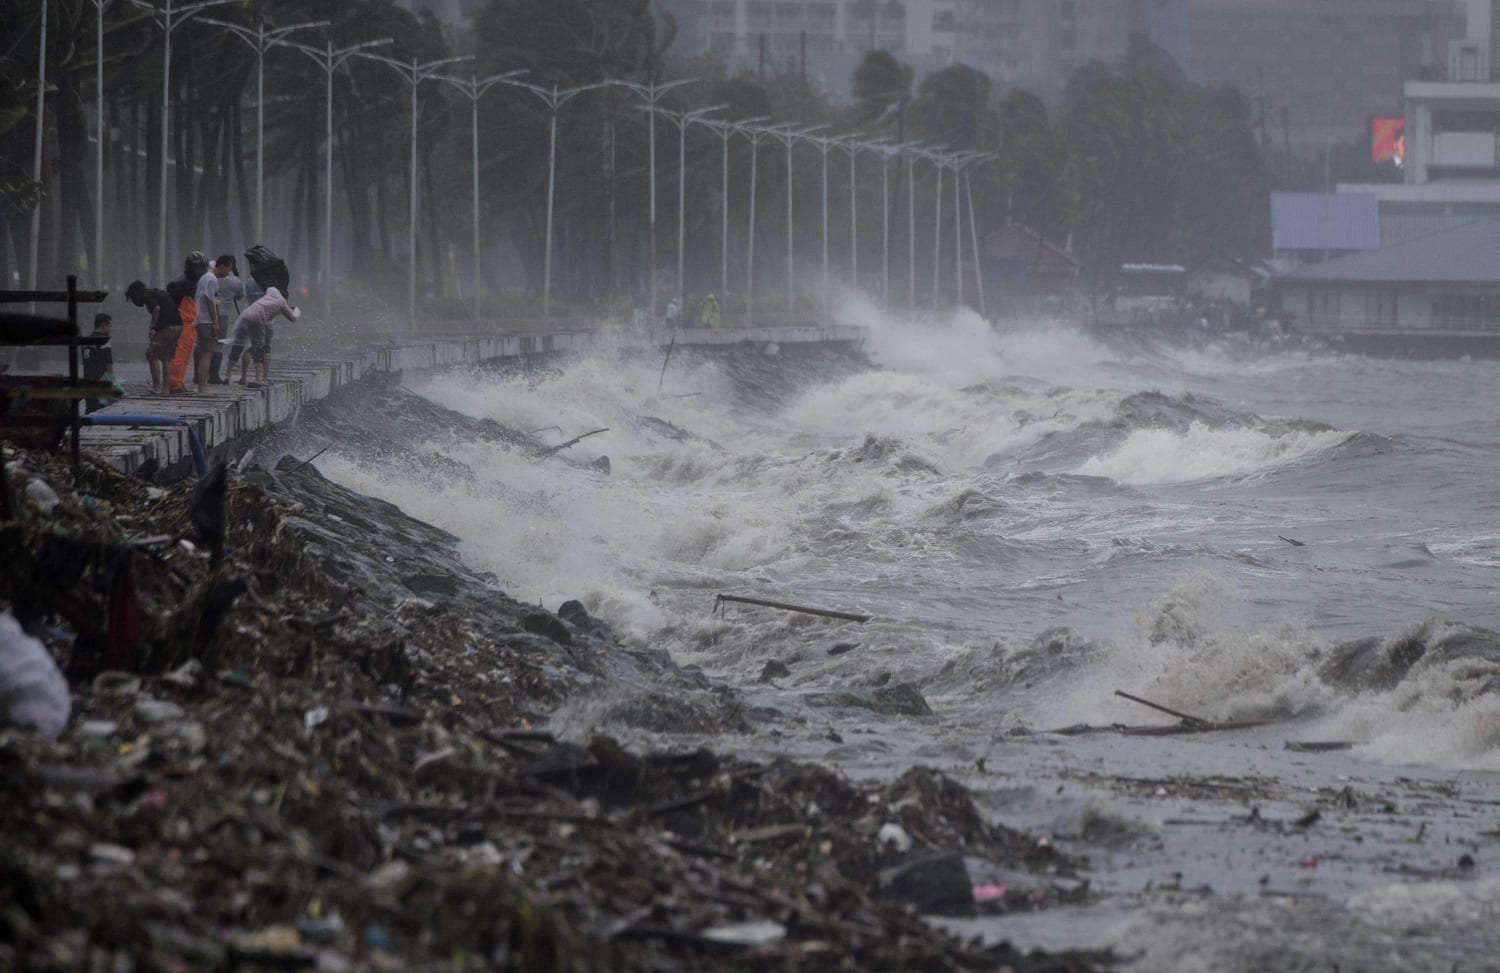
710, 316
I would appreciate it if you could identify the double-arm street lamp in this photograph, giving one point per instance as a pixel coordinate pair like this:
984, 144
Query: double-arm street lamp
650, 93
959, 162
726, 131
788, 137
682, 119
474, 88
554, 98
168, 19
754, 134
330, 59
260, 41
852, 147
414, 74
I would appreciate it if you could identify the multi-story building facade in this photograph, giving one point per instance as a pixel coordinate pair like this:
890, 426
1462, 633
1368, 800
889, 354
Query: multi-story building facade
1036, 44
1317, 72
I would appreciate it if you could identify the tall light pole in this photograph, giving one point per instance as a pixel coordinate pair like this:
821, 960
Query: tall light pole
959, 162
474, 88
650, 94
36, 155
330, 60
823, 145
937, 231
788, 137
99, 143
726, 131
682, 119
554, 98
168, 19
911, 231
974, 240
414, 74
754, 135
852, 148
260, 41
887, 152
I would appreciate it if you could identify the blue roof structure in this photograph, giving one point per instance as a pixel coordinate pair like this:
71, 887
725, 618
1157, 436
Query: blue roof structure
1324, 221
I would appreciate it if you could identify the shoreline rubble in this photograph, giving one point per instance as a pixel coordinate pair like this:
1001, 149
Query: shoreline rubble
324, 754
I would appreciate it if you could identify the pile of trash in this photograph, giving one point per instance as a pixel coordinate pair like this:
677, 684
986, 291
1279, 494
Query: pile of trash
269, 760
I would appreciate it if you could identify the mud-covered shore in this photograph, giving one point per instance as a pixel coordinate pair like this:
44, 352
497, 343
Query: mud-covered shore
327, 753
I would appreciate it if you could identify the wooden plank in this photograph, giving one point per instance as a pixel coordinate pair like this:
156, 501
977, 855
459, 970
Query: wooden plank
52, 297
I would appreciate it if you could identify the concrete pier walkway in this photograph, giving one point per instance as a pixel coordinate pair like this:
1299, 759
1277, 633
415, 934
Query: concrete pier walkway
229, 415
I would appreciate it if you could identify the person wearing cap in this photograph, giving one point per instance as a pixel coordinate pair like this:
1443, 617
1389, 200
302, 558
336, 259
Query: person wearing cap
710, 316
252, 328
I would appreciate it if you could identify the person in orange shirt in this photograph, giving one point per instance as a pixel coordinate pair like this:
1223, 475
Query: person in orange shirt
184, 291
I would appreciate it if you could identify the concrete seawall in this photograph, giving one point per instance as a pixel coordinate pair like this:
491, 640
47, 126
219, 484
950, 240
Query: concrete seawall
227, 418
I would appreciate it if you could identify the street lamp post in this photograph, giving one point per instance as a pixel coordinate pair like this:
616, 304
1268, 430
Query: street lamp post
937, 231
474, 88
852, 148
168, 19
260, 40
960, 162
414, 74
36, 156
554, 98
651, 93
974, 241
788, 136
754, 135
726, 131
99, 143
823, 145
912, 151
682, 119
330, 60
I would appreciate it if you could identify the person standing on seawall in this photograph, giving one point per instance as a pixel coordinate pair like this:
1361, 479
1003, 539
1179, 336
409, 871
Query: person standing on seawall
183, 290
231, 293
710, 316
166, 328
206, 318
674, 311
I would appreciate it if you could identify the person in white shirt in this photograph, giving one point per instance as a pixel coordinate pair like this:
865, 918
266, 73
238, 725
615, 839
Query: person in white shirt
206, 319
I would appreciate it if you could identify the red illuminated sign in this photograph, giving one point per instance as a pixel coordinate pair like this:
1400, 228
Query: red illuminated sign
1387, 139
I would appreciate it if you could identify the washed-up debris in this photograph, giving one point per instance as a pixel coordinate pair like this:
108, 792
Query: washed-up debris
1189, 724
33, 694
721, 599
1318, 746
572, 442
335, 781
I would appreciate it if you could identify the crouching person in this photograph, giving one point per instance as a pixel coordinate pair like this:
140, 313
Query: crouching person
252, 330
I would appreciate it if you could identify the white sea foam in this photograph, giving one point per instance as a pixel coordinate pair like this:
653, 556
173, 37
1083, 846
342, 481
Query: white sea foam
1204, 452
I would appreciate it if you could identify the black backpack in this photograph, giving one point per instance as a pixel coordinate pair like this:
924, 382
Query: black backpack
269, 270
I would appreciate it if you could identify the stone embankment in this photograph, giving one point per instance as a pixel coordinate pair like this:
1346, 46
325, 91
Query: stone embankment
229, 416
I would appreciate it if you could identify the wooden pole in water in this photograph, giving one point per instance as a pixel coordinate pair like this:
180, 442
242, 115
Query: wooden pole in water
821, 612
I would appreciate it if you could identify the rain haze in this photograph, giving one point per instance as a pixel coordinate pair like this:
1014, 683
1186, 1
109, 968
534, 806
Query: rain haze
739, 484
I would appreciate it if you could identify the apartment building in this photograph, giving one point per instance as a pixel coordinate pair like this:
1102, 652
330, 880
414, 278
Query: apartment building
1317, 72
